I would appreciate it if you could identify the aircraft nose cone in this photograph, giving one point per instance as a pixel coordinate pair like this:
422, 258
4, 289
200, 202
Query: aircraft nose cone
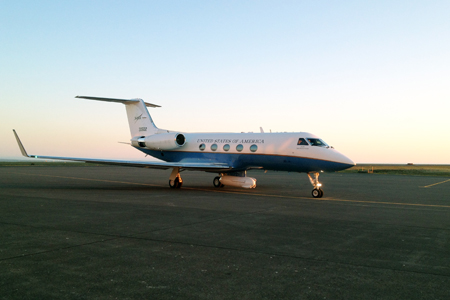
346, 162
343, 162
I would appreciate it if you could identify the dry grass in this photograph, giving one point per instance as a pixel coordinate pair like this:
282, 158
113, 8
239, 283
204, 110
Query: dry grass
419, 170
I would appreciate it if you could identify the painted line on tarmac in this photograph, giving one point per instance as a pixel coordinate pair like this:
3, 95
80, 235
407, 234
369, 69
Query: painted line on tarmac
254, 194
427, 186
88, 179
328, 199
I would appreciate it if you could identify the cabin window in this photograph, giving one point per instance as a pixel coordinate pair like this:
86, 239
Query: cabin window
317, 142
302, 142
226, 147
253, 148
239, 147
214, 147
202, 147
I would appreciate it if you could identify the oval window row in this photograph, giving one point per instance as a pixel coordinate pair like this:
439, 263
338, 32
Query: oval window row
227, 147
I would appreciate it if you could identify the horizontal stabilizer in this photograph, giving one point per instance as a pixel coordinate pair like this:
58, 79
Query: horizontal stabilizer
124, 101
139, 119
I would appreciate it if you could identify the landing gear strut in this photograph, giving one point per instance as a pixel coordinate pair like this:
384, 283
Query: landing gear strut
175, 180
317, 191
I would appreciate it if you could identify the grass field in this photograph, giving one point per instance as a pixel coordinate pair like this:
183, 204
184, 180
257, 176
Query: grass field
417, 170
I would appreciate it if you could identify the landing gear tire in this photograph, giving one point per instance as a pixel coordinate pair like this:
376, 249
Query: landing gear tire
317, 193
175, 183
217, 183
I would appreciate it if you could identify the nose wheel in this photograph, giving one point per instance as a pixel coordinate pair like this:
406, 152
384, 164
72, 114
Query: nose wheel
317, 191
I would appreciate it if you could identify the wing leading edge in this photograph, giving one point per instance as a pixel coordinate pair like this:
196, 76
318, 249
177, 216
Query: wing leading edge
208, 167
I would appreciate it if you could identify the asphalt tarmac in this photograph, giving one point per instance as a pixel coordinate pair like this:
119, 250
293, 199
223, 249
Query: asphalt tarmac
122, 233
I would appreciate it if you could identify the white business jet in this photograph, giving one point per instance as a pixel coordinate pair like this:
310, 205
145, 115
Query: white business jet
228, 154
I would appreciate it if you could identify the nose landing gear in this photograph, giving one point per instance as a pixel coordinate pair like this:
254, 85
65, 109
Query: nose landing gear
317, 191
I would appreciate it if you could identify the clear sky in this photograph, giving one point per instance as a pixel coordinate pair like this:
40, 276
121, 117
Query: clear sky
371, 78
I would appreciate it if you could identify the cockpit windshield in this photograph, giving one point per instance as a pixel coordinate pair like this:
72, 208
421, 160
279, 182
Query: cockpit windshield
302, 142
317, 142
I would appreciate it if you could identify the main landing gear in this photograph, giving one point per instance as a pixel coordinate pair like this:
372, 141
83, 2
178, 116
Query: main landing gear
217, 183
175, 180
317, 191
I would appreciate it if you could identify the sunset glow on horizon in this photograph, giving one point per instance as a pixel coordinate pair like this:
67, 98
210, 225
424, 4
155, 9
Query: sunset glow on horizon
370, 79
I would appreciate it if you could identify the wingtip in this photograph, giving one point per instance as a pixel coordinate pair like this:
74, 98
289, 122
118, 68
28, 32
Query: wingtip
21, 147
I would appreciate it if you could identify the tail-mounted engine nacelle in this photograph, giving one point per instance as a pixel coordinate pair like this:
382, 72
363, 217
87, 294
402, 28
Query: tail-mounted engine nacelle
244, 182
162, 141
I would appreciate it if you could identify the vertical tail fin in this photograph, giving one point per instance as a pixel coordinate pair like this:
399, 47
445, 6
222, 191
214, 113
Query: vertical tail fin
139, 118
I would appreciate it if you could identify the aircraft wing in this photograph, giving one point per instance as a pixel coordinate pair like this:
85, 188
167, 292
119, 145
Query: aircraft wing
208, 167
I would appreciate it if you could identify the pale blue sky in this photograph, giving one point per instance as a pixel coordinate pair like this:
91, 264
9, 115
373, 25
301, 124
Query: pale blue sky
370, 78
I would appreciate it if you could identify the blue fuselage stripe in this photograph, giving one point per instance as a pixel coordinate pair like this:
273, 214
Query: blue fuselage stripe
247, 160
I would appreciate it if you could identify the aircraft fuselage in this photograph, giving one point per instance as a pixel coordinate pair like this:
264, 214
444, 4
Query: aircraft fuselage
269, 151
